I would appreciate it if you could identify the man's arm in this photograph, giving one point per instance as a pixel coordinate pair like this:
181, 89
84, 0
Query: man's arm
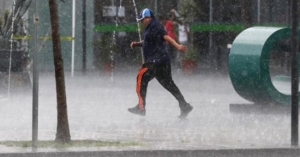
136, 44
180, 48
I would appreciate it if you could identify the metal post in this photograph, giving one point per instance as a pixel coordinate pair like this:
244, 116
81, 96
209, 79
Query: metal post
73, 35
258, 12
84, 36
210, 32
35, 81
288, 13
210, 23
294, 81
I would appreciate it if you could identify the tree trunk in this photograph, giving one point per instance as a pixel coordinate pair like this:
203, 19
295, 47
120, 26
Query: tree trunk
62, 132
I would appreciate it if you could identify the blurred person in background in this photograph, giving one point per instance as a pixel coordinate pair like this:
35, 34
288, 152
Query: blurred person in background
183, 36
169, 25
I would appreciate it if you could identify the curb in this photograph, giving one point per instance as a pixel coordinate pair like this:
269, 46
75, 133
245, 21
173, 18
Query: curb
260, 152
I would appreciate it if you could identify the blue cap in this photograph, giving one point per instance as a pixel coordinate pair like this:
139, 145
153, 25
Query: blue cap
145, 13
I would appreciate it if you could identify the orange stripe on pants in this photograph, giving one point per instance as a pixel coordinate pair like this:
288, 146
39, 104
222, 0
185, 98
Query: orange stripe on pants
138, 87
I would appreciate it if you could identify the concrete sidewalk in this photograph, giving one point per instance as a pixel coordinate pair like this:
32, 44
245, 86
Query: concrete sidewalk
97, 108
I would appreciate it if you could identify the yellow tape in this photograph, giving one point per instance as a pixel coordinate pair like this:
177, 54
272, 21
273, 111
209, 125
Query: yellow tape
66, 38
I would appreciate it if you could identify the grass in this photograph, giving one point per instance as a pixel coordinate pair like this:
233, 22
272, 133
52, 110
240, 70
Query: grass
73, 143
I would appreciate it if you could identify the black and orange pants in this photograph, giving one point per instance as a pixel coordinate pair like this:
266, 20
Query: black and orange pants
162, 72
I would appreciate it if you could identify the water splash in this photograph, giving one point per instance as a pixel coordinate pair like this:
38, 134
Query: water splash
139, 29
114, 38
11, 47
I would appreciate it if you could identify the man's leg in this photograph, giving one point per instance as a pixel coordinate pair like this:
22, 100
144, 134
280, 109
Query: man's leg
164, 77
143, 77
141, 86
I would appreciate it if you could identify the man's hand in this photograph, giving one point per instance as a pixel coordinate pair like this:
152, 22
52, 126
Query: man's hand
182, 48
135, 44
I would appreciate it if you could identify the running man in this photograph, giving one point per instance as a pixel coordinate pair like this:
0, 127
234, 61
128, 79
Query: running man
157, 63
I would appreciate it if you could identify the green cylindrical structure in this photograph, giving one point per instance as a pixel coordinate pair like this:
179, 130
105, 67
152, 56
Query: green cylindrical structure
249, 64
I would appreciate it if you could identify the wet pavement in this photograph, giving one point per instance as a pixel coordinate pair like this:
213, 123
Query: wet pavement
97, 110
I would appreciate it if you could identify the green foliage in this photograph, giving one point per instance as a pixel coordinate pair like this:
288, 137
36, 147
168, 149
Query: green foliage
3, 20
191, 54
6, 14
6, 22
